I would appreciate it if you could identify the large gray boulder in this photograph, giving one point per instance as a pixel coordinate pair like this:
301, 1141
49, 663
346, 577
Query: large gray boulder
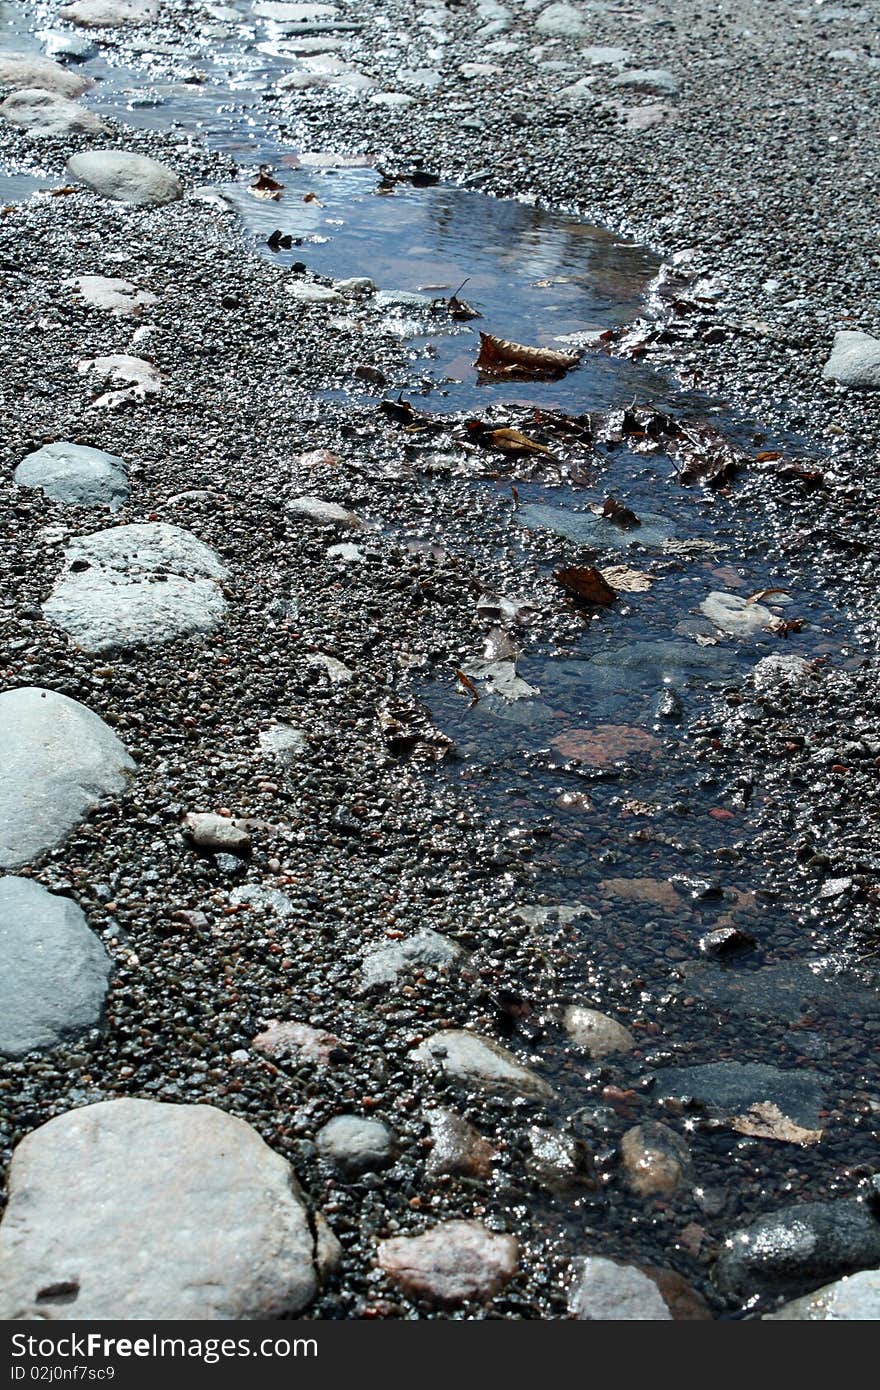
75, 474
57, 761
855, 1298
132, 1209
134, 586
19, 70
126, 178
45, 114
53, 969
101, 14
854, 361
809, 1241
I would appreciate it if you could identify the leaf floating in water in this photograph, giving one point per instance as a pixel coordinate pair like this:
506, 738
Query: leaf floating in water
705, 456
509, 441
498, 357
775, 596
625, 580
264, 186
469, 686
64, 192
584, 582
576, 429
615, 511
403, 413
766, 1121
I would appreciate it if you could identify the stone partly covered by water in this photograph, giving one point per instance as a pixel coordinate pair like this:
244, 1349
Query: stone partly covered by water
125, 177
735, 616
656, 1160
46, 114
457, 1148
55, 970
132, 1209
810, 1241
134, 586
76, 475
855, 1298
595, 1033
729, 1088
480, 1061
57, 760
25, 70
854, 361
455, 1262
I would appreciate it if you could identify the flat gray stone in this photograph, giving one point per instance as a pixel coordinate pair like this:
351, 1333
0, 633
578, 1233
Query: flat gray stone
735, 616
125, 178
133, 586
282, 742
57, 761
106, 14
19, 70
562, 21
480, 1061
782, 672
604, 1291
45, 114
272, 900
132, 1209
730, 1088
854, 361
53, 969
784, 990
809, 1241
117, 296
451, 1263
427, 950
648, 80
356, 1145
324, 513
75, 474
75, 47
855, 1298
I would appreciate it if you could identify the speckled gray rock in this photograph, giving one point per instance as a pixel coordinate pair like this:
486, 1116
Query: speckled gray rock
132, 1209
559, 1161
854, 361
729, 1088
119, 297
57, 760
656, 1160
101, 14
46, 114
855, 1298
20, 70
451, 1263
272, 900
427, 950
562, 21
134, 586
125, 177
75, 474
457, 1149
356, 1145
480, 1061
782, 671
53, 969
603, 1291
810, 1241
596, 1033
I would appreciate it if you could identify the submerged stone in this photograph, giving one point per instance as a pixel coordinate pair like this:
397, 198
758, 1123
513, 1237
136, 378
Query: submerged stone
728, 1088
813, 1240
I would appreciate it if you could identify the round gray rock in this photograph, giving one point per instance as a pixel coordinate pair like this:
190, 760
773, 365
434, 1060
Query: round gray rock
595, 1033
75, 474
133, 586
19, 70
53, 969
853, 1299
356, 1145
132, 1209
45, 114
57, 760
604, 1291
854, 361
126, 178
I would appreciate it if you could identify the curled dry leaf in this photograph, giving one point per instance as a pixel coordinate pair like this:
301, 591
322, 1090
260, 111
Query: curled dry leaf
765, 1120
498, 357
264, 186
509, 441
625, 580
761, 594
615, 511
586, 583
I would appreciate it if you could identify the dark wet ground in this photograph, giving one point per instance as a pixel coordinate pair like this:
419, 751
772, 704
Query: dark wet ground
652, 846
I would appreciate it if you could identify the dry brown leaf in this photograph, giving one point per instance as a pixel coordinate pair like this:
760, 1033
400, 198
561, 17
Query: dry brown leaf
765, 1120
586, 583
498, 357
469, 686
625, 580
761, 594
64, 192
264, 186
